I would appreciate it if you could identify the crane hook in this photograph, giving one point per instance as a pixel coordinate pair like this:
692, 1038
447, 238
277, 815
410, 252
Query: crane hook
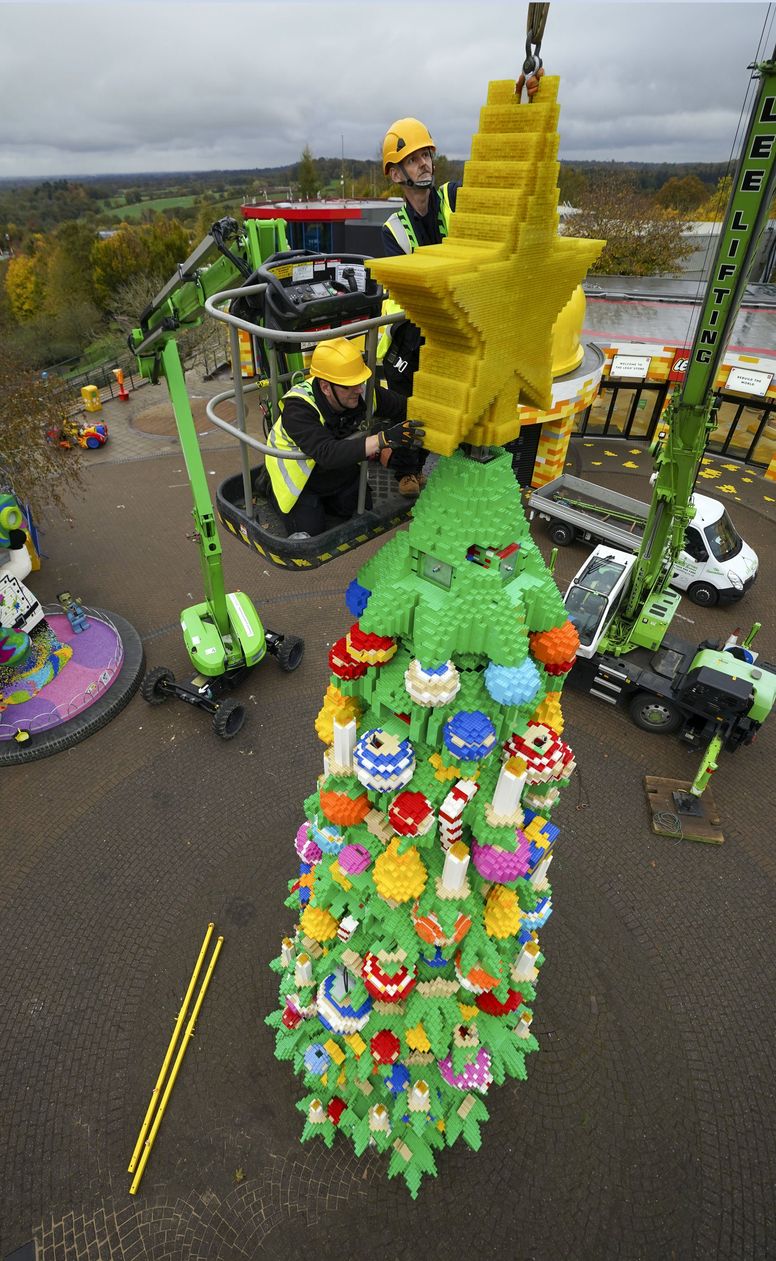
537, 18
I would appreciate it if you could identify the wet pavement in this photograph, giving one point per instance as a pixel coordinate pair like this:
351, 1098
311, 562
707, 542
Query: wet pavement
647, 1125
656, 309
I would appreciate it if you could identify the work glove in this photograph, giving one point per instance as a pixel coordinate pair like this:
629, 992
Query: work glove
531, 84
407, 433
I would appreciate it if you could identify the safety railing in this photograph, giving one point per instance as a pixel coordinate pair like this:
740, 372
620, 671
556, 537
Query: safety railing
278, 380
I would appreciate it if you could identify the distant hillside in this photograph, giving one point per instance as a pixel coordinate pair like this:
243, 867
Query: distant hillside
39, 206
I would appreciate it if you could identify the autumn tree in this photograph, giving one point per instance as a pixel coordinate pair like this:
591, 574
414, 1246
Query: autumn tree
167, 244
25, 285
684, 194
713, 208
116, 259
642, 240
572, 184
69, 279
307, 181
153, 252
33, 469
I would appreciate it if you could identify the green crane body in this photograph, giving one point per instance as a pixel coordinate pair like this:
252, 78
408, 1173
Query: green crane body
648, 606
224, 632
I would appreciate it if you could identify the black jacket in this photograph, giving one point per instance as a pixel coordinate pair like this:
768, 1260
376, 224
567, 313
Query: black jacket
426, 226
337, 445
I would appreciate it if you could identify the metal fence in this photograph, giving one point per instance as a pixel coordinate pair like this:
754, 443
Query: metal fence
205, 360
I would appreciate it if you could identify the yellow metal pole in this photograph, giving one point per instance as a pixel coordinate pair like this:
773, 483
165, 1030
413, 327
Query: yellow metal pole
166, 1062
175, 1068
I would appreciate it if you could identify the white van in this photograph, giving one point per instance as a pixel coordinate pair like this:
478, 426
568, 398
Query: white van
716, 563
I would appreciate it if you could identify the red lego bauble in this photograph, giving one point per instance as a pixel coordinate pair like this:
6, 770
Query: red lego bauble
385, 1047
336, 1109
491, 1005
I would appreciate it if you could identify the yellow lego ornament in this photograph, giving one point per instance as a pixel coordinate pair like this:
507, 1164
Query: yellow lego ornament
318, 923
502, 912
399, 877
335, 705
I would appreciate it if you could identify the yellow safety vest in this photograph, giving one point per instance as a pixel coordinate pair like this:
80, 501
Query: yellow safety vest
399, 224
400, 227
289, 477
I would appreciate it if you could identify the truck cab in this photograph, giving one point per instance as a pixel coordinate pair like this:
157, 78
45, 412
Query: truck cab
594, 593
715, 563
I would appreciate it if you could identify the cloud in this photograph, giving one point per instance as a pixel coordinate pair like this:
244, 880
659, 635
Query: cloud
133, 86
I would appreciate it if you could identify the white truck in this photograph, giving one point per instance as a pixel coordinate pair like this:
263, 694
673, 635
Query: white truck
716, 564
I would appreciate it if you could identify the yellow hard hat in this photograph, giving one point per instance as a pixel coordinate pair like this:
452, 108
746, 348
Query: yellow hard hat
404, 137
340, 362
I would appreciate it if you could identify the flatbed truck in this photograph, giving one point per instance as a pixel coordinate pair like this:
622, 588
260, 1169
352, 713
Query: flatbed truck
715, 565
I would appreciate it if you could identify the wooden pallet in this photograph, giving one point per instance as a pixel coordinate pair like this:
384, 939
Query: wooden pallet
678, 814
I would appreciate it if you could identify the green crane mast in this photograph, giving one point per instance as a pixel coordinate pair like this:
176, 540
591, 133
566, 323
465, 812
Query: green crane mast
648, 606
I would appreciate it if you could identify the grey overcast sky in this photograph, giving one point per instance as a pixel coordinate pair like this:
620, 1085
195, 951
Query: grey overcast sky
129, 86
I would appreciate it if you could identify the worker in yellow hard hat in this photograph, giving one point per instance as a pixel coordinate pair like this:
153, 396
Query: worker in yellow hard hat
321, 418
408, 162
424, 219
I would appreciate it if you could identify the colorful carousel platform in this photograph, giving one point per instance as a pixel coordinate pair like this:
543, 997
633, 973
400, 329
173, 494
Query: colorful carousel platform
103, 670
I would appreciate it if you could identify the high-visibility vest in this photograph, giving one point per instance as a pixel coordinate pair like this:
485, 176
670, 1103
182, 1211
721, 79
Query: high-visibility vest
399, 224
289, 477
400, 227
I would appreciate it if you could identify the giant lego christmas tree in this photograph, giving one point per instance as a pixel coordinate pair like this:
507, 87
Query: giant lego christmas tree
408, 985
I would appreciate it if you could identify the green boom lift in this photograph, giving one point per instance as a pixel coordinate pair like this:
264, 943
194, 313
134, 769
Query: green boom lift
224, 635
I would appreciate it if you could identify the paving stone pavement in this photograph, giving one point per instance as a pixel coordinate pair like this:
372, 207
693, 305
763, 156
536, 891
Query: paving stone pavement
647, 1125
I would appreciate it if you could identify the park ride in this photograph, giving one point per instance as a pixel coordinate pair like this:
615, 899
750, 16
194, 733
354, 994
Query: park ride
65, 669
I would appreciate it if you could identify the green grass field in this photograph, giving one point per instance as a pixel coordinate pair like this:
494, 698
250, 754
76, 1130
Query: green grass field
136, 210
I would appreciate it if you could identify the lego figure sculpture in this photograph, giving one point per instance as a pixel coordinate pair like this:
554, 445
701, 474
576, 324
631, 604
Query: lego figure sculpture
30, 653
407, 988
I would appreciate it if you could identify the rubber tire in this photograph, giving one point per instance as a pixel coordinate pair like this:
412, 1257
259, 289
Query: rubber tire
228, 719
671, 717
290, 653
149, 686
709, 594
562, 534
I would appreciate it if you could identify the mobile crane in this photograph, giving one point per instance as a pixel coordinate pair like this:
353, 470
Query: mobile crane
714, 697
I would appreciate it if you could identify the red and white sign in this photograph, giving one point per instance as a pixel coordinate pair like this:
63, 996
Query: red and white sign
679, 366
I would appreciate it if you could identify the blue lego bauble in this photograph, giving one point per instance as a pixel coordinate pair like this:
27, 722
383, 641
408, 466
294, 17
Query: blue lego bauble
382, 761
398, 1079
470, 736
327, 836
513, 685
335, 1010
316, 1059
356, 598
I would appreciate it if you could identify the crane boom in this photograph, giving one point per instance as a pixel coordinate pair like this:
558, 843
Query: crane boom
648, 606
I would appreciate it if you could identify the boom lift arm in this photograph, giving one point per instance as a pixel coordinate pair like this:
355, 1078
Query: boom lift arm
224, 635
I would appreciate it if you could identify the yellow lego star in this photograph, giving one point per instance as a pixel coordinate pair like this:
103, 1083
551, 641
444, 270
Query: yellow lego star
487, 298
